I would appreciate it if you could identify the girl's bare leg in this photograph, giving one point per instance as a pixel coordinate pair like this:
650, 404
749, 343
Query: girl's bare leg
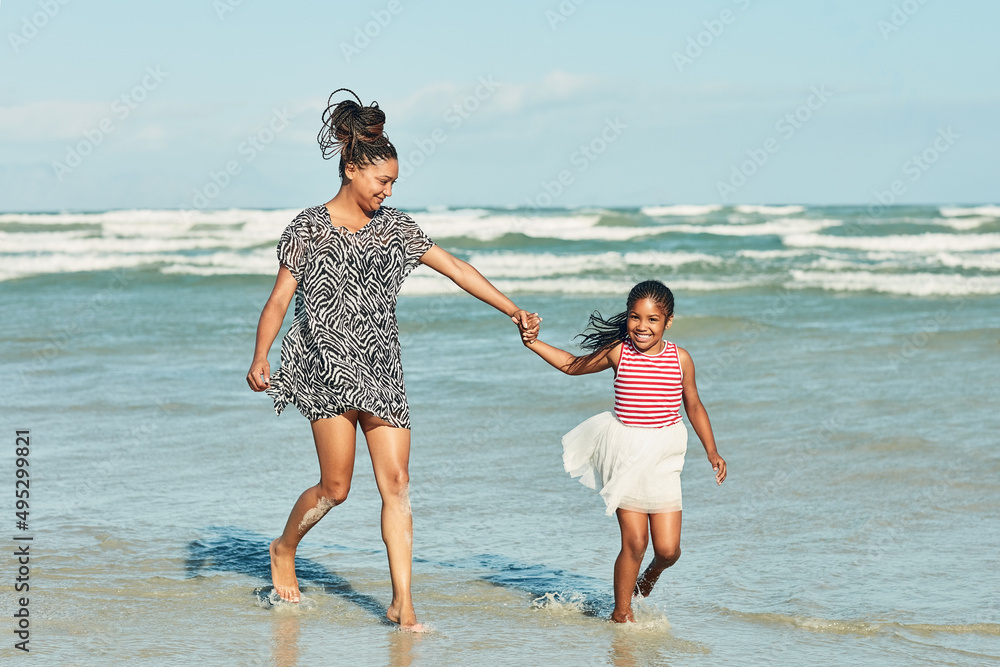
335, 448
390, 452
635, 537
665, 528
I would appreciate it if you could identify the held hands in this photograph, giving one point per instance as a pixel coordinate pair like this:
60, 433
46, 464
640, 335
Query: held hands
719, 466
528, 324
259, 369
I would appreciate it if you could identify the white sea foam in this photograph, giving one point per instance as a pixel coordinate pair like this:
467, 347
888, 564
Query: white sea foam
686, 210
140, 231
147, 217
772, 228
258, 261
913, 284
428, 283
536, 265
569, 228
959, 211
772, 254
242, 242
19, 266
562, 603
79, 242
981, 261
829, 264
898, 243
961, 224
771, 210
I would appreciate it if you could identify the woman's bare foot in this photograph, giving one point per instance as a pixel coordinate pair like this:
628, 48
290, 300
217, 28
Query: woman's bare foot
644, 586
407, 621
622, 616
283, 573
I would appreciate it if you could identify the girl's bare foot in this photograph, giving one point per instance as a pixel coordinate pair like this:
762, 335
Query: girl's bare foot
283, 573
622, 616
407, 620
644, 586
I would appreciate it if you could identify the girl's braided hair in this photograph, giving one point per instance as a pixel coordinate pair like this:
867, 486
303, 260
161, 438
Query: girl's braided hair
602, 333
355, 131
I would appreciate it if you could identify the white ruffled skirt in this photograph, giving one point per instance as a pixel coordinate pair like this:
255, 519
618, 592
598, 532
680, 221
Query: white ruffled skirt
633, 468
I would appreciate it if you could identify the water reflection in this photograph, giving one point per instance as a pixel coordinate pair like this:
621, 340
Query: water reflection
285, 630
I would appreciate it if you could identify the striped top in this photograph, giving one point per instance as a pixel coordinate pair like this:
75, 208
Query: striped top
648, 387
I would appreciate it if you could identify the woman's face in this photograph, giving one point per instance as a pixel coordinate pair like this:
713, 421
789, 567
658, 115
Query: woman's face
646, 324
372, 183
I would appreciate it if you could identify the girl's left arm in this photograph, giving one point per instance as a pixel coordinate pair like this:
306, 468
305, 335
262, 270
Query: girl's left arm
698, 416
468, 278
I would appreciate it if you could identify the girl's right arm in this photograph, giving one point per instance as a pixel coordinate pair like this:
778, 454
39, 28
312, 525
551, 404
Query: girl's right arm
259, 375
571, 364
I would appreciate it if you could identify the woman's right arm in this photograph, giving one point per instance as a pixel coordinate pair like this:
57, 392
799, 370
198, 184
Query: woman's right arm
259, 375
571, 364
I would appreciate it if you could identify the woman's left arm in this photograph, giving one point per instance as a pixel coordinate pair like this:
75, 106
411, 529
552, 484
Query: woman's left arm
698, 415
468, 278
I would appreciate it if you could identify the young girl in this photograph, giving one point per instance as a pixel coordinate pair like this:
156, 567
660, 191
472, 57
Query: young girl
344, 261
635, 455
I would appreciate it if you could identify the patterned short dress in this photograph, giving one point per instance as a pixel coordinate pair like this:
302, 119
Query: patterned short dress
342, 350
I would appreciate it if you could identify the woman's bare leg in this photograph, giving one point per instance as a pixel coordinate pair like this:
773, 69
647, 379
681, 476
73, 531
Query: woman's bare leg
635, 537
390, 451
335, 448
665, 528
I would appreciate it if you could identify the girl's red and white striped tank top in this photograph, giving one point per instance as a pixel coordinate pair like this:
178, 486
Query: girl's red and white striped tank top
648, 387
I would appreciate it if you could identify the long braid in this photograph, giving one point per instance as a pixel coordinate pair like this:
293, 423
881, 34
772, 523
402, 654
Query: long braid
602, 333
355, 132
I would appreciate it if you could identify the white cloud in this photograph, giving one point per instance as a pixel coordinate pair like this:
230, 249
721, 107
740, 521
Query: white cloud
508, 97
50, 120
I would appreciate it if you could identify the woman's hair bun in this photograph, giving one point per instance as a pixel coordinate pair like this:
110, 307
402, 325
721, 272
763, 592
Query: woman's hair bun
355, 131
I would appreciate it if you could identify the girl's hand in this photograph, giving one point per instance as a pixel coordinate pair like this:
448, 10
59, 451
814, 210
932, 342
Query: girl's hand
524, 320
719, 466
528, 323
530, 335
258, 369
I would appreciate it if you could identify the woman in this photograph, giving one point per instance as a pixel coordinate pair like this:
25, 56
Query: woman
344, 262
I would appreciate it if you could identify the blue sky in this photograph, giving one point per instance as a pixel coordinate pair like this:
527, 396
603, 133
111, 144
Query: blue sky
202, 103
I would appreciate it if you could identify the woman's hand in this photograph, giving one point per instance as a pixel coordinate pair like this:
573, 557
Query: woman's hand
530, 333
524, 320
719, 466
259, 375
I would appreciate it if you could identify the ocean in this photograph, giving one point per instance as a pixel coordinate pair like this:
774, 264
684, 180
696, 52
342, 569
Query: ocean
847, 356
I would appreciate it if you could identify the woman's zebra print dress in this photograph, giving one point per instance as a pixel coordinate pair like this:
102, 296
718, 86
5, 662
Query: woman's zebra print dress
342, 350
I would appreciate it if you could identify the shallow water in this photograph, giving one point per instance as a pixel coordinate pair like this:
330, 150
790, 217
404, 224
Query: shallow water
859, 522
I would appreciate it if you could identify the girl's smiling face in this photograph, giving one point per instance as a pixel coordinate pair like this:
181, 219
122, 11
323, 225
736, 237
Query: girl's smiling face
372, 183
646, 324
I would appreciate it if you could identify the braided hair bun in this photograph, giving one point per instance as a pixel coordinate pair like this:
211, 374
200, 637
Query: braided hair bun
355, 131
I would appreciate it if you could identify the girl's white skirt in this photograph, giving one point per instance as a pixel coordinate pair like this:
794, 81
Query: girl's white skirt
633, 468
